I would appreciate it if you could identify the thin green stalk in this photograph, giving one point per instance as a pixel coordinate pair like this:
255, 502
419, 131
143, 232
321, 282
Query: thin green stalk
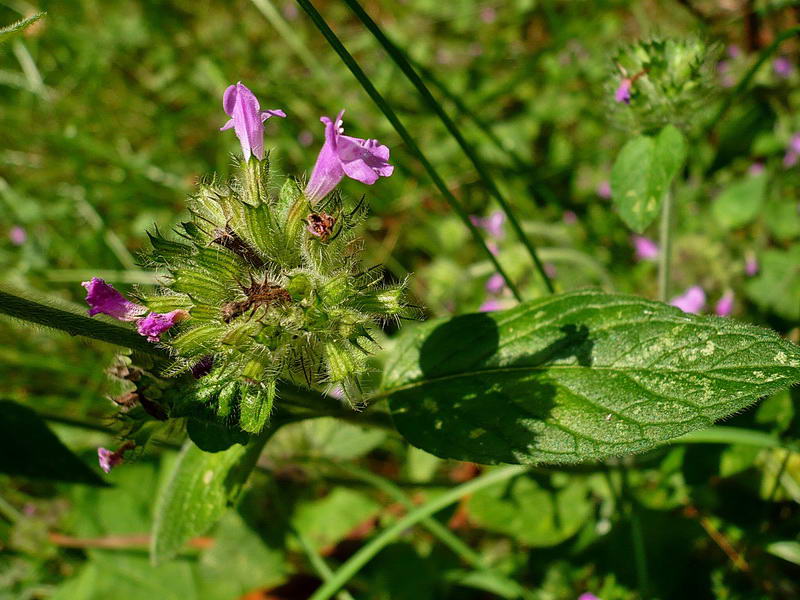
387, 110
376, 544
317, 562
399, 57
74, 324
748, 77
665, 255
436, 528
637, 536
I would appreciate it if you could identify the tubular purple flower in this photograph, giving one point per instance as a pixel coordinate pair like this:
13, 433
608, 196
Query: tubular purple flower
782, 67
724, 306
362, 160
692, 300
646, 249
493, 224
17, 235
108, 459
103, 298
604, 190
495, 283
623, 93
154, 324
588, 596
247, 119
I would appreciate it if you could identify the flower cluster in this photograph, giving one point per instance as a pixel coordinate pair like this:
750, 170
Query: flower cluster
664, 81
263, 286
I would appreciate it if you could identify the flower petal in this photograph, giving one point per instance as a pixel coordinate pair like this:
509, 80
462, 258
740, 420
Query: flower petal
154, 324
103, 298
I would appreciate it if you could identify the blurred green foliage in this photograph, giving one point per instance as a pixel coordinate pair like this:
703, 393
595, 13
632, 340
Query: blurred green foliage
110, 112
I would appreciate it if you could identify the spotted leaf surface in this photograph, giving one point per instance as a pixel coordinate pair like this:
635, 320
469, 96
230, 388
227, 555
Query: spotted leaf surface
575, 377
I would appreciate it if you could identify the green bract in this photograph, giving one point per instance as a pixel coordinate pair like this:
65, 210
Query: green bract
675, 83
274, 290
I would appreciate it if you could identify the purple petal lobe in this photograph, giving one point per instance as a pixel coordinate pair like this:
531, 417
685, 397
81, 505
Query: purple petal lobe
17, 235
108, 459
724, 306
359, 159
103, 298
247, 119
646, 249
489, 306
623, 93
154, 324
692, 300
751, 266
495, 284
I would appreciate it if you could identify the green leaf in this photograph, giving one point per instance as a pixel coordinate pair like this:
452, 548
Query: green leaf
575, 377
328, 520
536, 515
6, 33
200, 489
788, 550
256, 405
29, 449
642, 173
777, 286
740, 202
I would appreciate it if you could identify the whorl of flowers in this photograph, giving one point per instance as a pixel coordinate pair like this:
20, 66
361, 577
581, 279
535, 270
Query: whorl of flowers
663, 81
270, 288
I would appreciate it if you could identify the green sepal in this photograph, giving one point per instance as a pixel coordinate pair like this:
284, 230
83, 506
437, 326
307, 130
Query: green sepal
255, 405
198, 340
201, 286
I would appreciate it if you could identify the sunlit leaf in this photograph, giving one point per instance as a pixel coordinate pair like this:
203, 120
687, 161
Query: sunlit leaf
575, 377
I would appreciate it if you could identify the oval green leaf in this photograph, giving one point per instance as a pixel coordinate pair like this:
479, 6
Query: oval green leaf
576, 377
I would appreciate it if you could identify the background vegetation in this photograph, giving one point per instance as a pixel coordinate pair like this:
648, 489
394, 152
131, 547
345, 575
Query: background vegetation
110, 112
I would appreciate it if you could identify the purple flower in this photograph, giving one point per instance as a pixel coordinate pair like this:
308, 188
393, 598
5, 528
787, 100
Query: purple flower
604, 190
792, 151
247, 119
623, 93
17, 235
751, 266
734, 51
724, 306
362, 160
490, 305
493, 248
103, 298
692, 300
782, 67
488, 14
551, 270
109, 459
723, 69
757, 168
493, 224
646, 249
495, 284
588, 596
570, 218
154, 324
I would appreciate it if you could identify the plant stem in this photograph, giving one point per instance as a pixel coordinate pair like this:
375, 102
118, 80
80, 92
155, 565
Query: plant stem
74, 324
665, 255
376, 544
399, 57
387, 110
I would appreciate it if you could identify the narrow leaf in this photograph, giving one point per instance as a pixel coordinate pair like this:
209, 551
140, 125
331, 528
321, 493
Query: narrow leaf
201, 488
575, 377
6, 33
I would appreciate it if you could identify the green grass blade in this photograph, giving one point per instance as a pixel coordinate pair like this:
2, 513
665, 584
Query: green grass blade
387, 110
398, 56
388, 535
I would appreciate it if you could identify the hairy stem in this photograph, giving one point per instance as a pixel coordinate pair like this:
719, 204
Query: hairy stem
32, 311
665, 255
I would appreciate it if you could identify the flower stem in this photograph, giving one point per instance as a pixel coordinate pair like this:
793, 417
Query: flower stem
16, 306
665, 255
387, 110
399, 57
376, 544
